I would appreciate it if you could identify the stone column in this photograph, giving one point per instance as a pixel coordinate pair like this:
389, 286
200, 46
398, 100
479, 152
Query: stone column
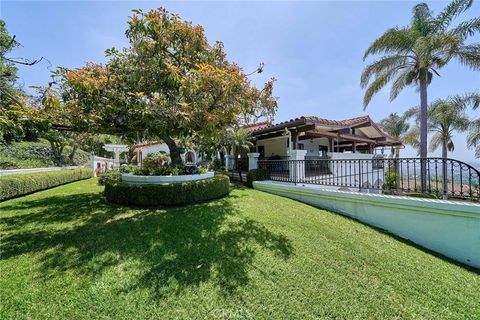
116, 160
296, 168
253, 160
229, 162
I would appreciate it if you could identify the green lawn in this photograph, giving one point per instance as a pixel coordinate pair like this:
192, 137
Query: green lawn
67, 255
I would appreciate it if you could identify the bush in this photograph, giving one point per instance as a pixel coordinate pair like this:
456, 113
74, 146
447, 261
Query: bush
110, 176
21, 184
168, 170
256, 175
172, 194
216, 165
154, 161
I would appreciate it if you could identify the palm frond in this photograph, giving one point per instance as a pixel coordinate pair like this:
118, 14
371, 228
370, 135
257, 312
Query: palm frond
467, 28
394, 40
473, 138
384, 64
404, 79
467, 100
443, 20
380, 81
412, 138
422, 18
435, 142
469, 56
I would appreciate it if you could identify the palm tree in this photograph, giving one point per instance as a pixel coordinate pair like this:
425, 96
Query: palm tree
238, 140
445, 116
474, 128
412, 55
396, 126
474, 137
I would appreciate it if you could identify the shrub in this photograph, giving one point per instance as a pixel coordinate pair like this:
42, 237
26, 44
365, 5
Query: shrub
391, 179
168, 170
154, 161
216, 165
110, 176
22, 184
172, 194
256, 175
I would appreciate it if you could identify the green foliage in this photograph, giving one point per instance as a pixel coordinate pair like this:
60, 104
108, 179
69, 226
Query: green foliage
391, 179
157, 165
170, 83
216, 165
38, 154
110, 176
172, 194
21, 184
154, 161
256, 175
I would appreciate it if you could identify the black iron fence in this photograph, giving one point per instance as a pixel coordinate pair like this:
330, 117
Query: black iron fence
443, 178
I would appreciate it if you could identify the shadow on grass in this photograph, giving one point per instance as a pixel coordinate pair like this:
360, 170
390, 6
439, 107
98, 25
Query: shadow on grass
188, 245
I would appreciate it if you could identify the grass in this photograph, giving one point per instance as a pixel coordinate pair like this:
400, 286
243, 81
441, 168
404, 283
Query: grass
67, 254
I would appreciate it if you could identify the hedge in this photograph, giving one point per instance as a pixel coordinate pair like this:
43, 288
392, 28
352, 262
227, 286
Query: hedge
171, 194
17, 185
256, 175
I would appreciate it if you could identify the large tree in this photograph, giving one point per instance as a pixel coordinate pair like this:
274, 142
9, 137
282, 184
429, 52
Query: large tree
413, 55
169, 83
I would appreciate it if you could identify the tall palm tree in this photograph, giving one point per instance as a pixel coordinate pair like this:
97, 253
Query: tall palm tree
238, 140
413, 55
396, 126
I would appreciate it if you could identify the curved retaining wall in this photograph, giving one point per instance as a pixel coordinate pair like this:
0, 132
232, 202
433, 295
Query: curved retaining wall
451, 228
135, 179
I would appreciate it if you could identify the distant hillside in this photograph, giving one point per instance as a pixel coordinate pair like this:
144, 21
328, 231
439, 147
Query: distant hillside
24, 154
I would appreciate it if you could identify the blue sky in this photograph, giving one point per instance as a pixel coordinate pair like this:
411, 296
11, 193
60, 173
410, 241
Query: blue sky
314, 49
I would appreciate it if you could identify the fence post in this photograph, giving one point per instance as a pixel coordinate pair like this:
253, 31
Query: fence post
444, 177
253, 160
296, 169
359, 175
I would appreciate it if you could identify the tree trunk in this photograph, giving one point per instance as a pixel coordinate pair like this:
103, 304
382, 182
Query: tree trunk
71, 156
175, 157
423, 133
444, 169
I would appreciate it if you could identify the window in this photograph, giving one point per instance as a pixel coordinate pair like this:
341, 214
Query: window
301, 146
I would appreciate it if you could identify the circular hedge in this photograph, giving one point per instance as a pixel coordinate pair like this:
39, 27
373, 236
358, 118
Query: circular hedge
172, 194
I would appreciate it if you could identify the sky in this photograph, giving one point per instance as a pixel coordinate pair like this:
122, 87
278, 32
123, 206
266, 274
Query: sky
314, 49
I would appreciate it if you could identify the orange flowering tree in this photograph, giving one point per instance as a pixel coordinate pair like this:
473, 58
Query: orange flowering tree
169, 83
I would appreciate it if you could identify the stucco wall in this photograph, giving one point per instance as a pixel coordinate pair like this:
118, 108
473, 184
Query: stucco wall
447, 227
311, 145
274, 147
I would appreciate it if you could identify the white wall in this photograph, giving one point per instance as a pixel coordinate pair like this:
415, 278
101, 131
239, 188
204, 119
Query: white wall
311, 145
274, 147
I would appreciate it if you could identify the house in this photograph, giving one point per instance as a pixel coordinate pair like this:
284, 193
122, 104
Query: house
319, 137
142, 150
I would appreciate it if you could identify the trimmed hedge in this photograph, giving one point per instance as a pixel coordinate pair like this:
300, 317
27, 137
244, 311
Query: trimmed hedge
172, 194
18, 185
256, 175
